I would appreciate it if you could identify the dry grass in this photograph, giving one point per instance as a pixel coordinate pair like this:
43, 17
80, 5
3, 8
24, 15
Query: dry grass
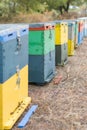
29, 18
38, 17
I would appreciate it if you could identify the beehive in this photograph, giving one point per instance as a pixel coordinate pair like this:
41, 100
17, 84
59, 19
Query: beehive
80, 31
80, 37
41, 38
61, 32
13, 50
13, 98
61, 56
41, 68
41, 52
76, 21
70, 47
84, 19
71, 30
13, 74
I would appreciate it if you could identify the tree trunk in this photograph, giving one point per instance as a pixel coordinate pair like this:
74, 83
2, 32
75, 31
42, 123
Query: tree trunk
14, 8
66, 8
60, 8
27, 8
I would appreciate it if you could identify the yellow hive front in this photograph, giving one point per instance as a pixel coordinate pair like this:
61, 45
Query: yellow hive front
65, 34
70, 47
13, 98
75, 42
61, 33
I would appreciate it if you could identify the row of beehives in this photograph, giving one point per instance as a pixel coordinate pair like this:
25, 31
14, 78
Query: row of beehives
39, 46
50, 44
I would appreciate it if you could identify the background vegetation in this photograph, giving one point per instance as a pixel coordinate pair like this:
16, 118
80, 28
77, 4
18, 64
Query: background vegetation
12, 8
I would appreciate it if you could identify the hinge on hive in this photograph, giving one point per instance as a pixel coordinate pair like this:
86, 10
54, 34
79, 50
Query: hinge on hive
18, 41
50, 35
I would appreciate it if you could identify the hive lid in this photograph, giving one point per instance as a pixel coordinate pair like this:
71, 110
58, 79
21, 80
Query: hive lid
14, 27
60, 22
41, 26
5, 30
10, 31
69, 21
83, 18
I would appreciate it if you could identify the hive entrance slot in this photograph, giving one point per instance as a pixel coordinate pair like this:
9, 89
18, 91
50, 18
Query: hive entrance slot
9, 35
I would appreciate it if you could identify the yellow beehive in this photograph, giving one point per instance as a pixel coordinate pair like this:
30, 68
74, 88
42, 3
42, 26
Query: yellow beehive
65, 33
61, 33
70, 47
75, 42
13, 98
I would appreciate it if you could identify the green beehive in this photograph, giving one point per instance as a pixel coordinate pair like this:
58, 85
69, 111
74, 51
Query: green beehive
76, 32
41, 38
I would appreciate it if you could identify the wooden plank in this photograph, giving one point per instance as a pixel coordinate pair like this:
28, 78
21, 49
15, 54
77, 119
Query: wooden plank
27, 116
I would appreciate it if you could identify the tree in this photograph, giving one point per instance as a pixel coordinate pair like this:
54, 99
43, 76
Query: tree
62, 5
28, 4
8, 7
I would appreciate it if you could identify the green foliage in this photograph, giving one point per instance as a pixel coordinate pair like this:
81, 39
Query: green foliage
28, 5
10, 7
4, 9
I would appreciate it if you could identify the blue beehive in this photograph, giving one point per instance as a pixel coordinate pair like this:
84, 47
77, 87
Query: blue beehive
80, 37
85, 25
13, 50
41, 68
